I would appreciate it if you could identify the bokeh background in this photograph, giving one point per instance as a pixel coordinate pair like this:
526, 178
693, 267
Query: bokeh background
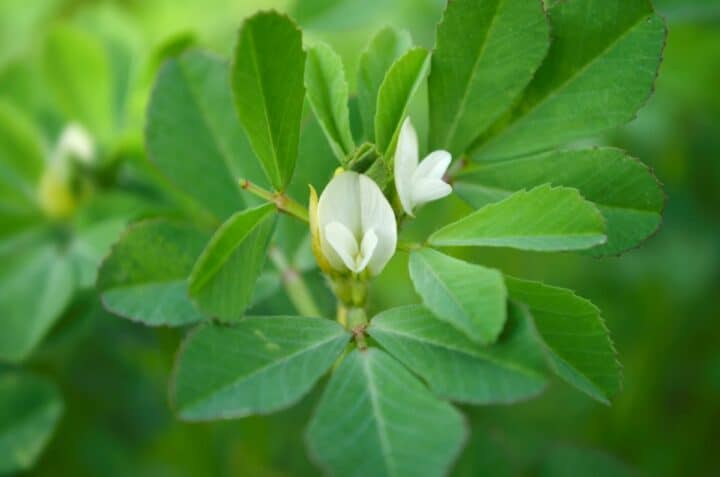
660, 301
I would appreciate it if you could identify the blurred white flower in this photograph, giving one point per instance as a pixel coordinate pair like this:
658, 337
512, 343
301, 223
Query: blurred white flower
76, 142
356, 224
416, 183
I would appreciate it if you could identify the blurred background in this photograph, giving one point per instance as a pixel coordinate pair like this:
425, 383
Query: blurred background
96, 61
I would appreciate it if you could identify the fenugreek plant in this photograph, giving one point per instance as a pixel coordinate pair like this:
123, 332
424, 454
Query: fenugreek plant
512, 85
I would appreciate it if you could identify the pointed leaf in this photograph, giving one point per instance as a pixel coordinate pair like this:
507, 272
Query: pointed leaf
193, 134
327, 92
577, 340
385, 47
259, 365
224, 276
543, 219
625, 191
30, 409
377, 419
455, 367
472, 81
145, 276
599, 71
268, 84
469, 297
396, 91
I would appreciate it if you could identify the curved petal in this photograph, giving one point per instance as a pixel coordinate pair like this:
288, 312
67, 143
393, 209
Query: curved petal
433, 166
405, 163
343, 244
339, 202
377, 215
367, 249
427, 190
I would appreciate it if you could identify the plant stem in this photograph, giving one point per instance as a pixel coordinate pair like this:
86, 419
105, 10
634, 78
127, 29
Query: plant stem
295, 286
280, 199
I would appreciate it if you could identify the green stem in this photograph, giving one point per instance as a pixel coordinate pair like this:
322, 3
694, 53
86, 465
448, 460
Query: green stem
281, 200
295, 286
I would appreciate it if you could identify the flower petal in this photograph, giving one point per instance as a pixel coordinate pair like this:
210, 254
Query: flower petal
343, 242
433, 166
427, 190
340, 202
367, 249
405, 163
377, 215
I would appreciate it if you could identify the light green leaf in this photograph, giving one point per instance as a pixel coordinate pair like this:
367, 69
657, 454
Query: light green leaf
385, 47
268, 84
376, 419
38, 284
624, 189
30, 408
259, 365
79, 76
193, 134
396, 91
575, 335
485, 55
145, 276
599, 71
469, 297
542, 219
90, 246
223, 278
457, 368
327, 92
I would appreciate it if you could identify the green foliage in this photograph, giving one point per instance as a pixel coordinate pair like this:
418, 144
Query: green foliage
30, 408
624, 190
327, 92
577, 341
259, 365
145, 277
457, 368
543, 219
268, 86
469, 297
472, 83
397, 89
376, 418
223, 278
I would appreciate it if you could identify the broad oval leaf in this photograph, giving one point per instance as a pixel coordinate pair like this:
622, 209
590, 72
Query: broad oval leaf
542, 219
145, 276
223, 278
327, 91
470, 297
455, 367
30, 408
268, 84
376, 419
385, 47
396, 91
259, 365
485, 55
193, 134
625, 190
577, 340
599, 71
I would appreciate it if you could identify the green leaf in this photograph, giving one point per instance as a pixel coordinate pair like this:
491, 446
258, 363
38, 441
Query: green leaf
268, 84
38, 284
472, 81
79, 77
469, 297
90, 246
599, 71
625, 191
376, 419
396, 91
145, 276
30, 408
456, 368
576, 338
385, 47
193, 134
223, 278
327, 92
258, 366
542, 219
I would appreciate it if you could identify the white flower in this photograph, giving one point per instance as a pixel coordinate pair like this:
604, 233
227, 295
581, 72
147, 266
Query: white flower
416, 183
356, 224
76, 142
